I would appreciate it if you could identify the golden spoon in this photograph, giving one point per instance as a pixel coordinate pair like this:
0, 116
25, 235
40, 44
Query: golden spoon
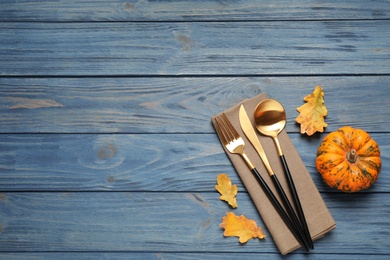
270, 120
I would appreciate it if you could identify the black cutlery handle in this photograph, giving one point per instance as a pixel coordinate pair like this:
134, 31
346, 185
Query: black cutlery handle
289, 209
279, 209
297, 202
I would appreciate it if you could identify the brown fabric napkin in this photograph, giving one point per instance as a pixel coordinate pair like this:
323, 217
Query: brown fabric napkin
317, 215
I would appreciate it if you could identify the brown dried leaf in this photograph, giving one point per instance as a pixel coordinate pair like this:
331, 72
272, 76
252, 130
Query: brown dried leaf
241, 227
312, 113
227, 191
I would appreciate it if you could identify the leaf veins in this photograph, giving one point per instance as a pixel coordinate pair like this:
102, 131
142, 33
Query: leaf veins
241, 227
227, 191
312, 113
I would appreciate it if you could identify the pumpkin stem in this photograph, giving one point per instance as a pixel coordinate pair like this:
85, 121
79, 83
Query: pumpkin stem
351, 156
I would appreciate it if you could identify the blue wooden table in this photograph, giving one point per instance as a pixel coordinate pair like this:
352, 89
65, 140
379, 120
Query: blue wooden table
106, 145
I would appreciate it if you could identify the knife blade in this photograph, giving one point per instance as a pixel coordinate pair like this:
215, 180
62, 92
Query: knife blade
250, 132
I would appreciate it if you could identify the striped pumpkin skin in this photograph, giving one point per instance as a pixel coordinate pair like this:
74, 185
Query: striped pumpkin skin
349, 159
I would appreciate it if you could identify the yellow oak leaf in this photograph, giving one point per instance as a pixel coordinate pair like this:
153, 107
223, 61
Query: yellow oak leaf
312, 113
227, 191
241, 227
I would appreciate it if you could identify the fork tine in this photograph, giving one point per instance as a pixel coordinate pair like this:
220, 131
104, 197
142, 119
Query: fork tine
225, 129
230, 127
220, 130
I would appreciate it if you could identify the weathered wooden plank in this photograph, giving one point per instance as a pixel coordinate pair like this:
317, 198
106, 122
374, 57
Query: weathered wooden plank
136, 162
110, 10
173, 222
181, 256
178, 105
195, 48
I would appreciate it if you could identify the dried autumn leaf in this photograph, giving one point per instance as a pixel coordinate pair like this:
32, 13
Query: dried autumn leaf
241, 227
227, 191
312, 113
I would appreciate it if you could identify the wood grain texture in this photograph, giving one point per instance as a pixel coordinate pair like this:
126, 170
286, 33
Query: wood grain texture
187, 10
120, 221
195, 48
106, 146
178, 105
155, 163
180, 256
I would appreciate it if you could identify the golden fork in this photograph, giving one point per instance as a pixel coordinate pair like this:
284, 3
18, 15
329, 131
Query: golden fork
235, 144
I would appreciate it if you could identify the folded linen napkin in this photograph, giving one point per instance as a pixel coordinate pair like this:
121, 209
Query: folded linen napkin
317, 215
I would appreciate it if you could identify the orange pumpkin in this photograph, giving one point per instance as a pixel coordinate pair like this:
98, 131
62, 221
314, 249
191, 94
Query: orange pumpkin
348, 159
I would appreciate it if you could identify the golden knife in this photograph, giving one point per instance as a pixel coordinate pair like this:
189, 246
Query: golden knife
249, 131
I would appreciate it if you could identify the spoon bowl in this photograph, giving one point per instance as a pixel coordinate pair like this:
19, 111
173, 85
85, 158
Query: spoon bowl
270, 117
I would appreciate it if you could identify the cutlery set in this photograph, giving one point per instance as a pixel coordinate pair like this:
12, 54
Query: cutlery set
270, 118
